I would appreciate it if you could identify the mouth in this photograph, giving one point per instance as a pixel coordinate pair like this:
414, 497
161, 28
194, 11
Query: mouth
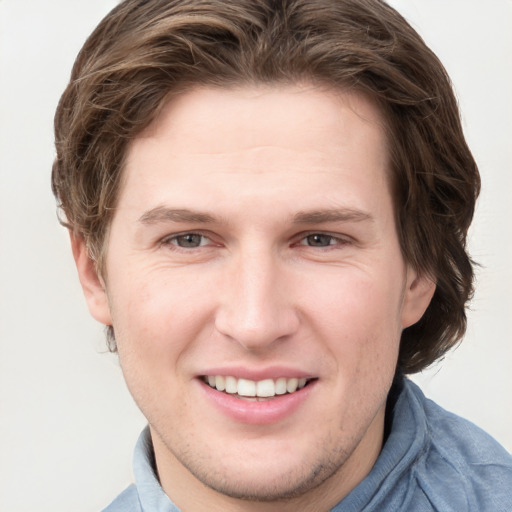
251, 390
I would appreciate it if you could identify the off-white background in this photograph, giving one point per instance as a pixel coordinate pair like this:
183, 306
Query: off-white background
67, 424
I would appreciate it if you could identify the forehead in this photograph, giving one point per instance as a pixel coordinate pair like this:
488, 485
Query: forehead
268, 143
278, 114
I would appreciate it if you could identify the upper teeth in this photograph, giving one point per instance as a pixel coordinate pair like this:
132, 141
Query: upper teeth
261, 388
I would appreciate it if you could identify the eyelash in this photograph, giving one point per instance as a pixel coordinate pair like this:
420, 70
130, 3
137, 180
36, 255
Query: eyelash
338, 240
171, 240
333, 240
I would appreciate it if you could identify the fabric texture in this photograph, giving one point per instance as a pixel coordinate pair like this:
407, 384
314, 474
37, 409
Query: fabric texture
432, 461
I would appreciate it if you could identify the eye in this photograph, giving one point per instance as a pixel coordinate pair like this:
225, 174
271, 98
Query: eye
187, 240
320, 240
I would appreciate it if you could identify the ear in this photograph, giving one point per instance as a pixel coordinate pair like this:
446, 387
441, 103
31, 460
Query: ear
418, 293
92, 283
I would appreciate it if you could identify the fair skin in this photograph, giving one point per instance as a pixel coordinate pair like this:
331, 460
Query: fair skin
255, 238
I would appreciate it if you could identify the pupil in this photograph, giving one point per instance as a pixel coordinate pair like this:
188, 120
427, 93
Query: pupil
319, 240
191, 240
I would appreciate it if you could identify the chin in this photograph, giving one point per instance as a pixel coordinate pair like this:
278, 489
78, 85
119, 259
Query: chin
261, 488
276, 477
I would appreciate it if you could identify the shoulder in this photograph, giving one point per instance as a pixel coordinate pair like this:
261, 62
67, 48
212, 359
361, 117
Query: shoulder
461, 460
127, 501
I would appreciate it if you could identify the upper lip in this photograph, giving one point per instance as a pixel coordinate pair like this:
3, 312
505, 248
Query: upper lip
257, 374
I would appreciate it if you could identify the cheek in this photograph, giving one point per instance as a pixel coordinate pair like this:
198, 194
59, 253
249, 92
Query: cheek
155, 326
156, 309
143, 315
355, 302
360, 319
359, 326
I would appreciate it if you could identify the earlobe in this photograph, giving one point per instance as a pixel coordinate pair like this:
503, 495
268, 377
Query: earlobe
93, 285
419, 291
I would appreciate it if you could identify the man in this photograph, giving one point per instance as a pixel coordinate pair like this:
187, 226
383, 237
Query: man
268, 204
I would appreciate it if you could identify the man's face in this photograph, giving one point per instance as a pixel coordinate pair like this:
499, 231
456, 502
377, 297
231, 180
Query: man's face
255, 239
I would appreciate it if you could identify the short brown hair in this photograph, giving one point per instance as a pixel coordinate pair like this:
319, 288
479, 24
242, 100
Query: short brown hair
146, 51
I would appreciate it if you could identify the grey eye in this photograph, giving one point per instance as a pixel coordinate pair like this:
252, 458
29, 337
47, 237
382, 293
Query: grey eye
319, 240
189, 240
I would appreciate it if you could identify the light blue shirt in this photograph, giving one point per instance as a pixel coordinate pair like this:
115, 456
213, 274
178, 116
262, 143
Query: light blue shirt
432, 460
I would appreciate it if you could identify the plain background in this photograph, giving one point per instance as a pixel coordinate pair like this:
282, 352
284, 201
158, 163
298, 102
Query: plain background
67, 424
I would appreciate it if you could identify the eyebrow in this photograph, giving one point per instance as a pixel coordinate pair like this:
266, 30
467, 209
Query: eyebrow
331, 215
164, 214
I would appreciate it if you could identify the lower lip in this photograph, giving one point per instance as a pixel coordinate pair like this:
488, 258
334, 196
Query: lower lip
254, 412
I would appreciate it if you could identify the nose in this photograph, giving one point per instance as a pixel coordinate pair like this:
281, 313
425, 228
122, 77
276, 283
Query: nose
257, 308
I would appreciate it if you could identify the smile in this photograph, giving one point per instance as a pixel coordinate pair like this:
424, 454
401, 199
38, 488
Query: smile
255, 390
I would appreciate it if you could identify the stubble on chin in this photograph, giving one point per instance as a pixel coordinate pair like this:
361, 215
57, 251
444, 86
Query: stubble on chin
301, 483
